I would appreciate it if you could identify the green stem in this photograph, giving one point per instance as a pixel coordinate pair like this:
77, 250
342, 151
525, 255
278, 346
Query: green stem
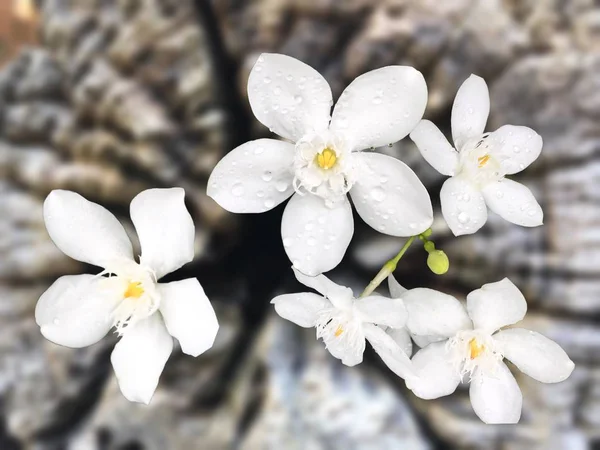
387, 269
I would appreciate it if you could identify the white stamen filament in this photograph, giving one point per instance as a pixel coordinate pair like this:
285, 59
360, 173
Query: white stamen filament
136, 287
474, 349
336, 326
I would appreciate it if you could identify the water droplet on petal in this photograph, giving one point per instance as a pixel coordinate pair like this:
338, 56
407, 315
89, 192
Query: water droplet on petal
516, 149
378, 194
463, 217
288, 242
269, 203
56, 321
266, 80
267, 176
311, 241
281, 186
237, 190
259, 150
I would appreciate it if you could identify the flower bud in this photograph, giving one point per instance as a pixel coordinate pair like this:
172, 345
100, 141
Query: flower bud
438, 262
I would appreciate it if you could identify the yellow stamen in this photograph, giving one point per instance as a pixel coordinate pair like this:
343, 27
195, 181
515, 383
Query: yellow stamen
339, 331
475, 348
134, 290
326, 159
483, 160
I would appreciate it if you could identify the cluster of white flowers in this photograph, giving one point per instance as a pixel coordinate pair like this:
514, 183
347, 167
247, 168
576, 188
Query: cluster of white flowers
322, 158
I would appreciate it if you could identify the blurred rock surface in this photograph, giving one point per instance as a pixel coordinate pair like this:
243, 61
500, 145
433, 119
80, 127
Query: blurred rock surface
130, 94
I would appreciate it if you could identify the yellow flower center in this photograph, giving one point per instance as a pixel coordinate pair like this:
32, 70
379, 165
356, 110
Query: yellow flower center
338, 331
326, 159
483, 160
475, 348
134, 290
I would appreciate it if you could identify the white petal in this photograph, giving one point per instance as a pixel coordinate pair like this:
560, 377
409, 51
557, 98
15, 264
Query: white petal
289, 97
496, 397
433, 313
390, 197
396, 289
470, 110
424, 341
315, 236
302, 309
254, 177
389, 312
76, 310
436, 375
188, 315
165, 229
513, 202
349, 348
401, 336
515, 147
339, 295
463, 206
85, 231
140, 357
389, 351
536, 355
496, 305
435, 148
380, 107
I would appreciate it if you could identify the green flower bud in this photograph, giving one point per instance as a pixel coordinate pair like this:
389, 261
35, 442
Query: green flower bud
438, 262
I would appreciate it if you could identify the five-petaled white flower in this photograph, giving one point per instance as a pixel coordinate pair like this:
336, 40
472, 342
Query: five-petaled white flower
467, 342
79, 310
344, 322
479, 162
324, 163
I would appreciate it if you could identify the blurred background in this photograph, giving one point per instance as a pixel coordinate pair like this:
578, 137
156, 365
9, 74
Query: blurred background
110, 97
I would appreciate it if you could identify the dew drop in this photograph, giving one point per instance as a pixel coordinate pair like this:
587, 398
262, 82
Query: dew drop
499, 194
463, 217
309, 226
259, 150
260, 194
266, 80
288, 242
269, 203
289, 78
281, 186
378, 194
298, 99
267, 176
311, 241
516, 149
277, 91
237, 190
377, 100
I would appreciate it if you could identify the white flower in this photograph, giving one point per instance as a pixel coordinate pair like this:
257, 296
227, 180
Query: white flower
79, 310
344, 322
324, 161
467, 342
479, 162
